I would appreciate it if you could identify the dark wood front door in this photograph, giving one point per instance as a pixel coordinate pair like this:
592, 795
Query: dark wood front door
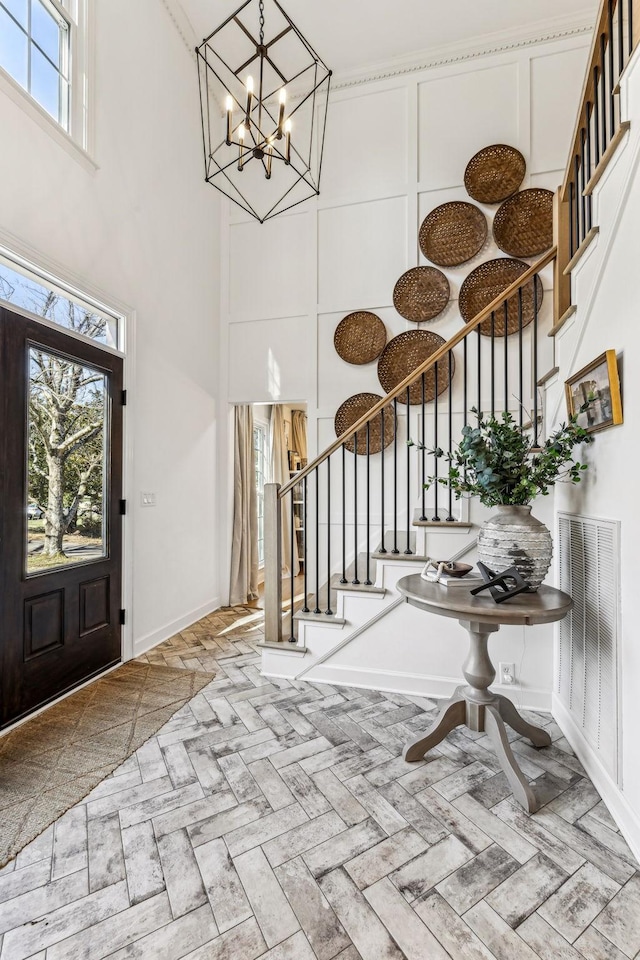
60, 522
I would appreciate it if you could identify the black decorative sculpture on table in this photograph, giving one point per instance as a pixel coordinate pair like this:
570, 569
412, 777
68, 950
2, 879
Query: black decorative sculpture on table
496, 583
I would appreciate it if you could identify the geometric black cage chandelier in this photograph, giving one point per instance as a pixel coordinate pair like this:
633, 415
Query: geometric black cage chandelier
264, 94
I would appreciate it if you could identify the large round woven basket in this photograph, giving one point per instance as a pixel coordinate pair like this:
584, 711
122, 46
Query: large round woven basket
403, 355
381, 428
453, 233
421, 294
495, 173
487, 282
523, 226
360, 337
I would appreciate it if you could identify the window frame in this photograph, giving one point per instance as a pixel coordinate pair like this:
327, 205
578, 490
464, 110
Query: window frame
116, 321
261, 426
77, 136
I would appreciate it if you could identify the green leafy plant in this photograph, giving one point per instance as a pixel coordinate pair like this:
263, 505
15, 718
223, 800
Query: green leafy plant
496, 462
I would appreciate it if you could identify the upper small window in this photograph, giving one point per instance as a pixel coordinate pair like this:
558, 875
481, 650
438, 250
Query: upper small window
23, 285
35, 41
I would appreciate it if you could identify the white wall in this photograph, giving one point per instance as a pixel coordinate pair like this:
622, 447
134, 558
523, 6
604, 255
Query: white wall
395, 150
606, 289
141, 230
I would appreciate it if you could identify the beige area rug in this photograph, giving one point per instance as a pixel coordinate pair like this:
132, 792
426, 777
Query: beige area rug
54, 760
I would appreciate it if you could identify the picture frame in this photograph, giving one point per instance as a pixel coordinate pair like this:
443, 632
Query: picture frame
598, 381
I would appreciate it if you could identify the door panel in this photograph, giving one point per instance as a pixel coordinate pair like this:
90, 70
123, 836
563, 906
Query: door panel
60, 523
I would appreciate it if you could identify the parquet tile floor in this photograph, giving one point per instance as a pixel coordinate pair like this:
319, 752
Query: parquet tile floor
277, 820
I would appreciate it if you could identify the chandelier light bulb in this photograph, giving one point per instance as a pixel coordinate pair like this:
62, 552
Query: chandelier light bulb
287, 142
241, 135
283, 100
249, 99
229, 118
269, 159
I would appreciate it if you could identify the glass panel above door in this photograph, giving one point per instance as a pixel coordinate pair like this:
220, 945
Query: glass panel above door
66, 492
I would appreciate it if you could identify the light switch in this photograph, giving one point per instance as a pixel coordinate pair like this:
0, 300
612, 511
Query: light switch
147, 499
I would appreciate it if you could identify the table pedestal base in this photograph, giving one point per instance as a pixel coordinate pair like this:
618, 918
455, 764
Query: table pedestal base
478, 708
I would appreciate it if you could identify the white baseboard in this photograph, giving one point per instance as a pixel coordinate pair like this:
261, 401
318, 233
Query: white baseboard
627, 819
143, 644
415, 685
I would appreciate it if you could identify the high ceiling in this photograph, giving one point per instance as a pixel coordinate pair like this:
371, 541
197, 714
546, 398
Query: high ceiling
352, 35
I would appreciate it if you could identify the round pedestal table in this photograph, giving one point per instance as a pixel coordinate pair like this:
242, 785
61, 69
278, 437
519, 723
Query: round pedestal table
474, 704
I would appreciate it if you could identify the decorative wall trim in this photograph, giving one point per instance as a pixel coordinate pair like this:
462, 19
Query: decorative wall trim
451, 54
143, 644
182, 24
613, 796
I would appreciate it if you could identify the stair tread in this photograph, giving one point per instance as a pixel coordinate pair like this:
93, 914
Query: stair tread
361, 587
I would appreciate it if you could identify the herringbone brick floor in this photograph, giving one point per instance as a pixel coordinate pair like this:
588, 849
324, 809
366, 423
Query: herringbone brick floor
277, 820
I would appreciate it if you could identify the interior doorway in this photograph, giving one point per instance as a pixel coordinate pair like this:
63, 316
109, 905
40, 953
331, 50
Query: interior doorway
270, 446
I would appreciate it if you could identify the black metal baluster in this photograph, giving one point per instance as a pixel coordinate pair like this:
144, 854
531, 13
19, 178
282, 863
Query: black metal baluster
493, 364
356, 441
407, 548
465, 367
535, 361
450, 413
305, 565
343, 578
436, 461
329, 611
395, 477
588, 111
630, 25
520, 362
383, 549
578, 205
423, 452
596, 116
620, 39
368, 579
292, 637
506, 356
612, 82
603, 77
317, 519
583, 183
479, 370
572, 223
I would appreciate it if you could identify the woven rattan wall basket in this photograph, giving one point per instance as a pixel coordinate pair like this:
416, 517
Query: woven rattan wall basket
495, 173
453, 233
360, 337
403, 355
523, 226
381, 427
421, 294
487, 282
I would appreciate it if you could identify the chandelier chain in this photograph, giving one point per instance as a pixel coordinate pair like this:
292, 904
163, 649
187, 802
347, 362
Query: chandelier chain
261, 6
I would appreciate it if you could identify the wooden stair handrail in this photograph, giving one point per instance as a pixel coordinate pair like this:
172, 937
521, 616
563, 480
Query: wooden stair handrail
419, 371
587, 90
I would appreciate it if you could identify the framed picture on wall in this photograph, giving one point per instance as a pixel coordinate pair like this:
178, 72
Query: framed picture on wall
598, 385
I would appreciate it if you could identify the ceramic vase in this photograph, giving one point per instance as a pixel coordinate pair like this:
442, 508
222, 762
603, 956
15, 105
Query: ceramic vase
513, 538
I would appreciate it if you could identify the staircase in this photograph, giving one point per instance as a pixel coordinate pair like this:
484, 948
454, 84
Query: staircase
368, 517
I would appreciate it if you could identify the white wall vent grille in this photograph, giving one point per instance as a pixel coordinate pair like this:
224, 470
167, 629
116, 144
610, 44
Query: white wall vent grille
588, 551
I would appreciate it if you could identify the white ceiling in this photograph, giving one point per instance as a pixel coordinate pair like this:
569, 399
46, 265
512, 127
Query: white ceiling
352, 35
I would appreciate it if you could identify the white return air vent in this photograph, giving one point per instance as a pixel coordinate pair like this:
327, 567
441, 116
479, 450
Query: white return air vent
588, 551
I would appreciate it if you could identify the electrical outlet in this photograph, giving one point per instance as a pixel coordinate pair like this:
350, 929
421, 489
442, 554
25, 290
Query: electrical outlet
507, 673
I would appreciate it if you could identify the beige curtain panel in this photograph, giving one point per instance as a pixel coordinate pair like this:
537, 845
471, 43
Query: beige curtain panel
280, 474
299, 433
244, 544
